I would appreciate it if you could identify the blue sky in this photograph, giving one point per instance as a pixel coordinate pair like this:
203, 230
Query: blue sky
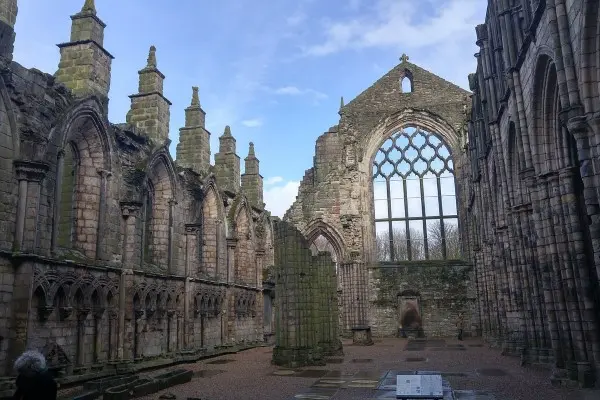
274, 70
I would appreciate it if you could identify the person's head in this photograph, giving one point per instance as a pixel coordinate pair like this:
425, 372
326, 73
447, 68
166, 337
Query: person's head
30, 363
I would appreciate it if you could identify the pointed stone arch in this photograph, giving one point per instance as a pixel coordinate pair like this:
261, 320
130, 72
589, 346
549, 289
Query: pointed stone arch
212, 248
80, 148
159, 199
318, 227
10, 152
245, 269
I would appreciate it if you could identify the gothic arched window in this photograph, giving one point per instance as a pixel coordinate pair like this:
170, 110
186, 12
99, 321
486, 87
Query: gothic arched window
415, 198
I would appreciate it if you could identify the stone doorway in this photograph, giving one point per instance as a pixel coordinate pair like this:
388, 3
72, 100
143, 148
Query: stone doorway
410, 323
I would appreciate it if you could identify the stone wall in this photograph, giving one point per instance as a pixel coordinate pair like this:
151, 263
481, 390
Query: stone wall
111, 252
530, 188
336, 196
441, 291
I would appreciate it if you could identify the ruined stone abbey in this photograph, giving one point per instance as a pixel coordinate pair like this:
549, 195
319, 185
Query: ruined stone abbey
432, 201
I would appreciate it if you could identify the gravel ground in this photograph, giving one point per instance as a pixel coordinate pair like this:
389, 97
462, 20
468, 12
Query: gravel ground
251, 375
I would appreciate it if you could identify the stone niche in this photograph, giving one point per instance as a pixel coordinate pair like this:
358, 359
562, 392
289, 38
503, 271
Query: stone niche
421, 300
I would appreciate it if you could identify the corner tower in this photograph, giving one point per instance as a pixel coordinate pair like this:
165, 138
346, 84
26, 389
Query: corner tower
8, 17
85, 64
150, 109
193, 149
252, 180
227, 163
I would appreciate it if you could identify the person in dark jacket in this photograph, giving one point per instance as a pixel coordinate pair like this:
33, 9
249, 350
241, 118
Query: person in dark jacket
34, 381
460, 325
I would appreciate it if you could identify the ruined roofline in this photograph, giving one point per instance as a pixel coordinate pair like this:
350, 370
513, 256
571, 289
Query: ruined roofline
411, 67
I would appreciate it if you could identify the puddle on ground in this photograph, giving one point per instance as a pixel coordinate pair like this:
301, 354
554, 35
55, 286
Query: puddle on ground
415, 359
334, 360
223, 361
284, 372
362, 360
491, 372
312, 373
207, 373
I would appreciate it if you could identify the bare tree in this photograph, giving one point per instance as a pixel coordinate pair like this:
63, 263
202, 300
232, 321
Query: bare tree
417, 246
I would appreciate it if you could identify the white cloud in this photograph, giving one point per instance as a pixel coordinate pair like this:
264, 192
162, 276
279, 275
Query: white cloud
252, 123
291, 90
273, 180
391, 22
280, 194
296, 19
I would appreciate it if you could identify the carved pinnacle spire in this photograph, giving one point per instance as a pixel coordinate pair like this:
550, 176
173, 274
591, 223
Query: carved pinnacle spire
195, 97
342, 102
152, 57
251, 150
89, 7
404, 58
227, 131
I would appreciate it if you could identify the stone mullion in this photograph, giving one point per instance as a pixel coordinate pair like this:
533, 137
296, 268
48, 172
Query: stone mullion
537, 280
102, 215
587, 338
571, 316
60, 166
528, 290
171, 237
519, 338
539, 187
563, 333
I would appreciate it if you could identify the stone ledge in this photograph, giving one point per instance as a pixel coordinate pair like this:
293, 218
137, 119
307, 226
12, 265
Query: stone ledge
114, 368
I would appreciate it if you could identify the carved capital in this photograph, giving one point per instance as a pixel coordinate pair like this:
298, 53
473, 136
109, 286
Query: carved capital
171, 313
30, 171
130, 208
138, 314
98, 312
104, 173
172, 203
231, 242
193, 228
83, 312
113, 314
64, 312
44, 312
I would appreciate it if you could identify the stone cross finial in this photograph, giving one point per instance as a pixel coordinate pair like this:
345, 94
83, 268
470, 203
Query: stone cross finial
227, 131
152, 57
195, 97
89, 7
404, 58
251, 150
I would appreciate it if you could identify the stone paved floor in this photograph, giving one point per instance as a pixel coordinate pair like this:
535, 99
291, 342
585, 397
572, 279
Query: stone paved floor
474, 372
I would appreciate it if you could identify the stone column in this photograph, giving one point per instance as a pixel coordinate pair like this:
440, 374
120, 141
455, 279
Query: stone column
260, 265
29, 174
100, 233
231, 245
130, 211
170, 252
193, 234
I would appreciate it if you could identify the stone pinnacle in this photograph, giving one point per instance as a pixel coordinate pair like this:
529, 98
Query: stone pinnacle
342, 103
195, 97
152, 57
89, 7
227, 131
251, 150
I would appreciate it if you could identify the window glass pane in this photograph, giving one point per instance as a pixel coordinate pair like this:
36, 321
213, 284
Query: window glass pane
411, 153
403, 168
452, 238
379, 189
449, 205
398, 208
434, 239
396, 188
432, 207
400, 245
414, 208
417, 246
443, 152
381, 209
382, 241
402, 142
430, 185
413, 187
447, 185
